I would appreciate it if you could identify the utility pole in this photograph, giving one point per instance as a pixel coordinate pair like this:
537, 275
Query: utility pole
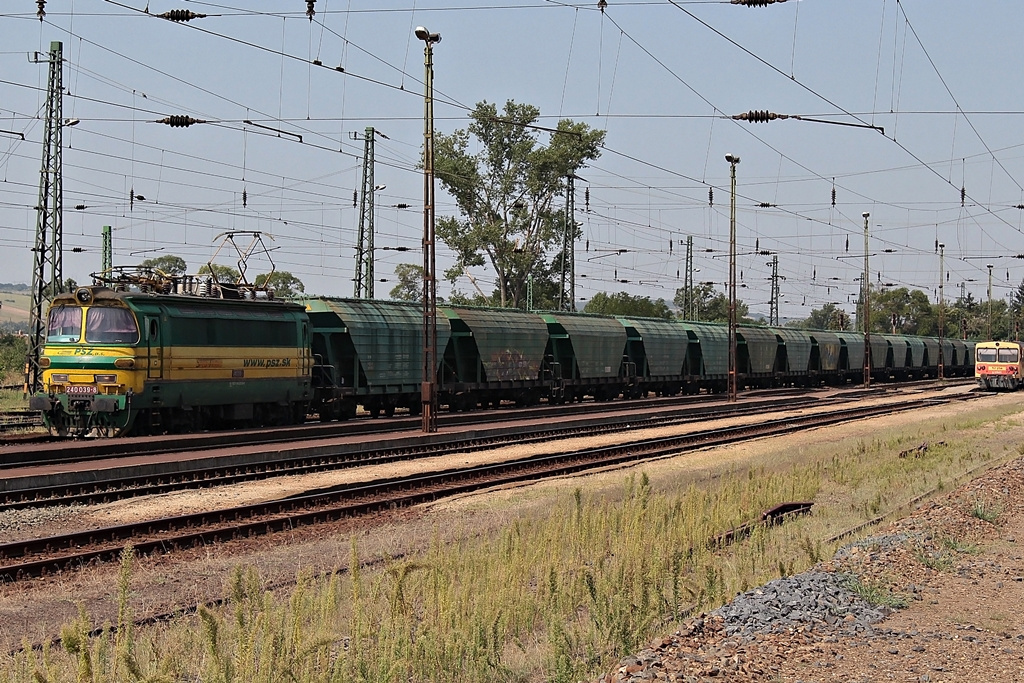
364, 244
865, 282
49, 242
429, 385
942, 304
569, 249
988, 333
733, 390
108, 249
774, 310
689, 303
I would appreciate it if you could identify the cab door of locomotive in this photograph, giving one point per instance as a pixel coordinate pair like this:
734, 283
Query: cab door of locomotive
154, 349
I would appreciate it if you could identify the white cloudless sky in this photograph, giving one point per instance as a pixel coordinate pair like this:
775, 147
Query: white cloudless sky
942, 79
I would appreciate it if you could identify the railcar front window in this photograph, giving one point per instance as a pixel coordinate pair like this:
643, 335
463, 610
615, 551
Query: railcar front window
65, 324
1009, 355
986, 355
110, 326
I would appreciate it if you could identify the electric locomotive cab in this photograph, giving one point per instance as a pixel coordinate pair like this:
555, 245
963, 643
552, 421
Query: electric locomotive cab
997, 365
88, 364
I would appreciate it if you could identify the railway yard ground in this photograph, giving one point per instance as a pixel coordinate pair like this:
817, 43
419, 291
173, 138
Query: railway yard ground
601, 579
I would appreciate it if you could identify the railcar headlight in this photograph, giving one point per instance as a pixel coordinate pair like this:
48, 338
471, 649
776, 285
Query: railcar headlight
44, 362
58, 378
104, 379
124, 363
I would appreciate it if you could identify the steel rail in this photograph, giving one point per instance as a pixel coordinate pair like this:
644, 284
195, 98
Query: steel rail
65, 552
99, 488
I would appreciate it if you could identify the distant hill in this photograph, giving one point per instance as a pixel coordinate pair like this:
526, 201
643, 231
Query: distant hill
15, 304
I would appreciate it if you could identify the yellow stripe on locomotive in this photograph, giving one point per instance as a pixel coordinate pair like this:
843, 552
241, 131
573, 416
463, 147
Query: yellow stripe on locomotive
113, 356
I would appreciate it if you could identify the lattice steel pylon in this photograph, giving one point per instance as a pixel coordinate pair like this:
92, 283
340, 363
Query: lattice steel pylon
364, 245
49, 243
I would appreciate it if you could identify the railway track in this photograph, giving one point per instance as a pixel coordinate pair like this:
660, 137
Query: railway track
31, 558
73, 451
107, 485
12, 420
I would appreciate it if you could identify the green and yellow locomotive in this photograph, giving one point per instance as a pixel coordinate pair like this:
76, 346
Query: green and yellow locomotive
137, 361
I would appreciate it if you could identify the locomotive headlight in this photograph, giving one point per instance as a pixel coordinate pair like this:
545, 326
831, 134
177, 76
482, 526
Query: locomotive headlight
58, 378
124, 363
104, 379
44, 362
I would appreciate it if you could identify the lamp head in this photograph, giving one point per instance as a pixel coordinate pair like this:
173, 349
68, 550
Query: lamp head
426, 36
732, 159
865, 215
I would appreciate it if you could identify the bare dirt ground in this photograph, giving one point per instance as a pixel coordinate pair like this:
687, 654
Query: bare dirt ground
964, 579
964, 622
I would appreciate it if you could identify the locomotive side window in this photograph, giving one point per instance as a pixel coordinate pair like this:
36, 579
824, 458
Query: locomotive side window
1009, 355
65, 324
986, 355
104, 325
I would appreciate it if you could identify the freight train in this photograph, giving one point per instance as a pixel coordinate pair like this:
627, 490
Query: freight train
176, 358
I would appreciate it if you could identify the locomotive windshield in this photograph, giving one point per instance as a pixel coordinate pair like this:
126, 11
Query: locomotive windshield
1009, 354
105, 325
65, 324
986, 355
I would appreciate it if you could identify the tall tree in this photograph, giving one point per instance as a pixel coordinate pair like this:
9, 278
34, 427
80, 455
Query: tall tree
506, 193
627, 304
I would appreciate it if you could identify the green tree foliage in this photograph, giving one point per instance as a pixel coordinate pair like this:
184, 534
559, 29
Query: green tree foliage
169, 264
224, 274
628, 305
284, 284
828, 317
506, 194
13, 349
902, 311
711, 306
410, 282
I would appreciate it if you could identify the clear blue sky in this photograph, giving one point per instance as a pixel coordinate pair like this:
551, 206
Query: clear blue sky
942, 78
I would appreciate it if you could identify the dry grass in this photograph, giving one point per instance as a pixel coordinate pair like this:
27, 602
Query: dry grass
585, 571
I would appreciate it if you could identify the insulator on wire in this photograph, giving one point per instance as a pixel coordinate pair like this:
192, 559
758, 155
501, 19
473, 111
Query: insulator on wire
833, 196
181, 15
131, 198
245, 198
41, 12
757, 244
814, 273
670, 247
179, 121
847, 243
1019, 206
586, 199
766, 205
309, 9
936, 245
963, 195
602, 5
355, 198
711, 196
759, 116
764, 252
755, 3
588, 246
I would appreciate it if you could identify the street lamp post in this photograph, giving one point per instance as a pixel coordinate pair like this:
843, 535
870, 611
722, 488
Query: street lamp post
942, 303
428, 387
865, 282
732, 160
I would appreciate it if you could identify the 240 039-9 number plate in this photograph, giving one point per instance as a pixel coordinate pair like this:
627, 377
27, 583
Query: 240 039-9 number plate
80, 390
